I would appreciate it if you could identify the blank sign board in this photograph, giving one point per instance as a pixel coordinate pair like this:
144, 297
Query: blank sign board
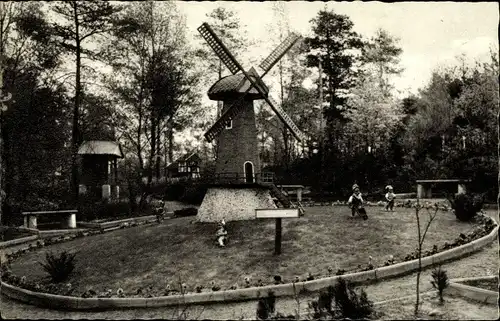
277, 213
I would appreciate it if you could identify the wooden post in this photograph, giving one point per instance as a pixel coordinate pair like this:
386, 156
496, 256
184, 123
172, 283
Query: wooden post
278, 214
277, 240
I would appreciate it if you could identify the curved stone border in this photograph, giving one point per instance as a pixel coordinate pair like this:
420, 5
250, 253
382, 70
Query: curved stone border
290, 289
49, 233
477, 278
473, 293
18, 241
110, 224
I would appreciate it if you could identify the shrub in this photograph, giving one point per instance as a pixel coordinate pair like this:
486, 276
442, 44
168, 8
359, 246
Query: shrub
185, 191
266, 306
190, 211
466, 206
114, 210
341, 301
440, 282
349, 303
59, 267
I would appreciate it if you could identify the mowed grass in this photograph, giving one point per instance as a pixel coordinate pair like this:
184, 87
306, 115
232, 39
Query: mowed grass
178, 250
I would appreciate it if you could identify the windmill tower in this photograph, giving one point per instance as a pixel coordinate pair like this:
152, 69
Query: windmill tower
238, 188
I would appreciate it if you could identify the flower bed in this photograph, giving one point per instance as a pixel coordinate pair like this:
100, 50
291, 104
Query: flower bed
48, 287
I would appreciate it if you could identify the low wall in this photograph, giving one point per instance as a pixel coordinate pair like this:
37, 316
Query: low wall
105, 225
233, 204
473, 293
290, 289
18, 241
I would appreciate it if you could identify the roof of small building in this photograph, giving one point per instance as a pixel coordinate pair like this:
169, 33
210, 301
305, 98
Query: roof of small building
184, 158
100, 147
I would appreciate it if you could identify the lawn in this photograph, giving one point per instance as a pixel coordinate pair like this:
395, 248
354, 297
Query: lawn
157, 255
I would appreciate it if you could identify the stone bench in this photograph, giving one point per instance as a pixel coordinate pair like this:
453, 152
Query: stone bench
424, 189
292, 189
69, 217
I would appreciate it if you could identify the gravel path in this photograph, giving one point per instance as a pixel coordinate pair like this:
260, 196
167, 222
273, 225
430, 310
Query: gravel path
482, 263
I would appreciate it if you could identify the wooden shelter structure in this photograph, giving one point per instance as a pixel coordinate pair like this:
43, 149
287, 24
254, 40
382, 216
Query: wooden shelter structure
98, 171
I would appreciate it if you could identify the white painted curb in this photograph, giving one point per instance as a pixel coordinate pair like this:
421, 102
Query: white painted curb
18, 241
478, 278
77, 303
473, 293
109, 224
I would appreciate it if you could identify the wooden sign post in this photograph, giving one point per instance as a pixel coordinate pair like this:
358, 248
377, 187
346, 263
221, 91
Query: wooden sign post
278, 214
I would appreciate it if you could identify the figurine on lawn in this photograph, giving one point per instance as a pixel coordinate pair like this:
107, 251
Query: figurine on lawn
389, 196
356, 203
221, 234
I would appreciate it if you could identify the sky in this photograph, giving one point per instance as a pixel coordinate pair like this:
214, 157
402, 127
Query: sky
431, 34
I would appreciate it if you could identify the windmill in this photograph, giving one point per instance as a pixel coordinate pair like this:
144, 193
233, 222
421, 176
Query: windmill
238, 186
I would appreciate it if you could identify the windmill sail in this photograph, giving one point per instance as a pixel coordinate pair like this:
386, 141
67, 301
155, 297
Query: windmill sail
233, 65
277, 53
285, 119
220, 49
220, 124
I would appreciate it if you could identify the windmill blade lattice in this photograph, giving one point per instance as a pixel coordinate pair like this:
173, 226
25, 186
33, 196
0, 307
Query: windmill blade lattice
233, 65
220, 49
237, 107
224, 119
286, 119
278, 53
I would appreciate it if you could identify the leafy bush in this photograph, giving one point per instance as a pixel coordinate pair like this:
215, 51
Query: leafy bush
341, 301
266, 306
89, 211
190, 211
440, 282
186, 192
466, 206
59, 267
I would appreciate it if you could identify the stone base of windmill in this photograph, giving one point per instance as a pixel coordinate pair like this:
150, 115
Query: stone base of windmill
233, 204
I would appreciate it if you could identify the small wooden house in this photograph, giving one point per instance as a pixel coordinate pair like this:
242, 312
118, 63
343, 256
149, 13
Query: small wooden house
187, 166
98, 171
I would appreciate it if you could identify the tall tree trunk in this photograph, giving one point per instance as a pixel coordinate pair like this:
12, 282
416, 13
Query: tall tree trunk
158, 152
139, 143
170, 142
2, 164
75, 138
152, 151
417, 303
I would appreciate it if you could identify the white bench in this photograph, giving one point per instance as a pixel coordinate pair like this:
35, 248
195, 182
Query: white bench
30, 218
424, 186
292, 189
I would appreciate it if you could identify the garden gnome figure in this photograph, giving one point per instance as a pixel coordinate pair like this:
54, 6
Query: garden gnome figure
389, 196
356, 202
222, 234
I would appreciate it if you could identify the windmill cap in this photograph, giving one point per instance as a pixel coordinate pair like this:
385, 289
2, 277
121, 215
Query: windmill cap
234, 85
388, 187
355, 186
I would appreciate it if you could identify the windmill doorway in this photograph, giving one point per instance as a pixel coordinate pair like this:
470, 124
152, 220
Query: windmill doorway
249, 177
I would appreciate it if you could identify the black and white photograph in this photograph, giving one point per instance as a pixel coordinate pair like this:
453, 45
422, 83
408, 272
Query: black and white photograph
249, 160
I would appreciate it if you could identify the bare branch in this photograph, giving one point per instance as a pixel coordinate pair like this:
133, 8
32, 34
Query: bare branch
431, 218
